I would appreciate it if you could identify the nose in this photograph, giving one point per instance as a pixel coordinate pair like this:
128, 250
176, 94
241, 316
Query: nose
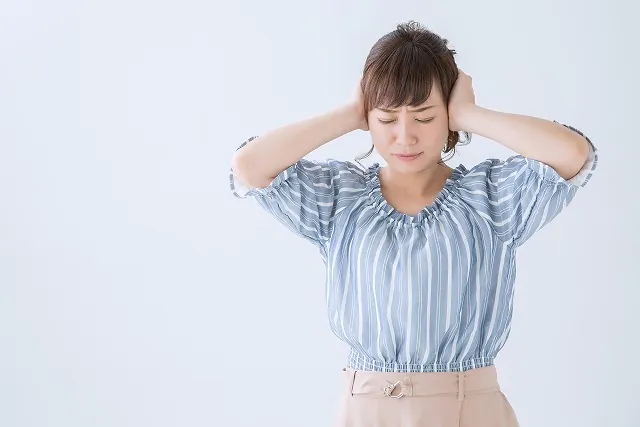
405, 134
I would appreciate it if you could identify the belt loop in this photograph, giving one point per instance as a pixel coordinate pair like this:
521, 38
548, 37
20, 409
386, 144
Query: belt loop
352, 380
461, 385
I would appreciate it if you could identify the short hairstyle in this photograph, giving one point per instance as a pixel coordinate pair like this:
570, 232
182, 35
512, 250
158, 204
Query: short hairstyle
402, 67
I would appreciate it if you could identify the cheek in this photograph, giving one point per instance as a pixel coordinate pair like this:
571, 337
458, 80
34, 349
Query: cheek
383, 139
380, 133
443, 125
436, 132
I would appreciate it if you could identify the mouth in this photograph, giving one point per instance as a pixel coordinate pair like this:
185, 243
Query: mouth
407, 157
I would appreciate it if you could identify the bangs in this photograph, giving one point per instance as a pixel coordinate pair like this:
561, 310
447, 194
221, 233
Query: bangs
405, 77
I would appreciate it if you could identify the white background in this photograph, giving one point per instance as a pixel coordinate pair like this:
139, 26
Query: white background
136, 291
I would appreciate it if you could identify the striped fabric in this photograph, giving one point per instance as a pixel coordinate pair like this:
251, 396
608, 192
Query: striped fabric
426, 293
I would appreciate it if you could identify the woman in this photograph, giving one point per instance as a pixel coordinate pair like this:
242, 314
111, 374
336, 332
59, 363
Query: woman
420, 257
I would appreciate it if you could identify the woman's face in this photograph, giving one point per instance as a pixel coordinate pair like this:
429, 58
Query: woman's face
411, 139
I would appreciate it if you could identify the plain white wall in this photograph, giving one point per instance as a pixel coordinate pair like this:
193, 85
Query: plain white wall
136, 291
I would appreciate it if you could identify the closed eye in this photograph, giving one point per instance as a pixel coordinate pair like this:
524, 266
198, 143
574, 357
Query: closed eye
418, 120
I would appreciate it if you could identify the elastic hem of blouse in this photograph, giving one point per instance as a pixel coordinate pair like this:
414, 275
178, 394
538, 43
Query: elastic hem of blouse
386, 211
359, 362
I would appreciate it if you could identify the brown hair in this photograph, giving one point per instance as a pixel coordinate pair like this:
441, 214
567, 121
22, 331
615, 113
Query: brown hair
402, 67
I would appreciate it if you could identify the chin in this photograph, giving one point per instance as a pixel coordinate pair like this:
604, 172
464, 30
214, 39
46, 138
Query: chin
401, 166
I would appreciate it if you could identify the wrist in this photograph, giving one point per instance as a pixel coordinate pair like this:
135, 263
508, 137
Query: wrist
352, 115
467, 117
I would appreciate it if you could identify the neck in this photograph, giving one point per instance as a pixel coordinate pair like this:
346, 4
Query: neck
417, 184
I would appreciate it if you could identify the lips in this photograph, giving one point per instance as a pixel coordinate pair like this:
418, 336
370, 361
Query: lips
408, 157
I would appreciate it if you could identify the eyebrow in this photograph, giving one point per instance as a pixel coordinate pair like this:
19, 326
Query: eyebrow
418, 110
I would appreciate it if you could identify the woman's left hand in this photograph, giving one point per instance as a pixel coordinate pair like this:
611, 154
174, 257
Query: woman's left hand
461, 99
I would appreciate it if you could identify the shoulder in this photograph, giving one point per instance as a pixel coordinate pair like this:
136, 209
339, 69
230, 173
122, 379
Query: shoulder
496, 171
330, 176
490, 180
337, 171
344, 167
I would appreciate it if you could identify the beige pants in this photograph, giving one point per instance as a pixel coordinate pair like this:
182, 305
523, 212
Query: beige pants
424, 399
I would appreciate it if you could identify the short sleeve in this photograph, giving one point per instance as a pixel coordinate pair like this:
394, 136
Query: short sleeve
308, 196
519, 196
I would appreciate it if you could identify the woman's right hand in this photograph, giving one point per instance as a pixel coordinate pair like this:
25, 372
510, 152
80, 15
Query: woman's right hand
357, 103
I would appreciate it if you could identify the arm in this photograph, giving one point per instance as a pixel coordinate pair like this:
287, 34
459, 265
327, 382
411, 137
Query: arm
522, 194
549, 142
258, 163
527, 191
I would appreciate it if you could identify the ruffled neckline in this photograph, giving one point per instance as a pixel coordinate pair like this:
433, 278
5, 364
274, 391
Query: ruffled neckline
426, 214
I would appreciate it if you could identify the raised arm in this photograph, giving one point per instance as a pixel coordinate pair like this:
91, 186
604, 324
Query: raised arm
258, 163
549, 142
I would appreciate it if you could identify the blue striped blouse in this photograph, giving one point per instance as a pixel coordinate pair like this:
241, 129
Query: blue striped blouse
432, 292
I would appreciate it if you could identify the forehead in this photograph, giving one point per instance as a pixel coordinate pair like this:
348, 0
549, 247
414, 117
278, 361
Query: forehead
411, 100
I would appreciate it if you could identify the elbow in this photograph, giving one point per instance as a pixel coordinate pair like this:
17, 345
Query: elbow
576, 159
244, 169
584, 149
581, 152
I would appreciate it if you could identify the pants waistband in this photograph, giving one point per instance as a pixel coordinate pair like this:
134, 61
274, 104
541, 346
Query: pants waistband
401, 384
